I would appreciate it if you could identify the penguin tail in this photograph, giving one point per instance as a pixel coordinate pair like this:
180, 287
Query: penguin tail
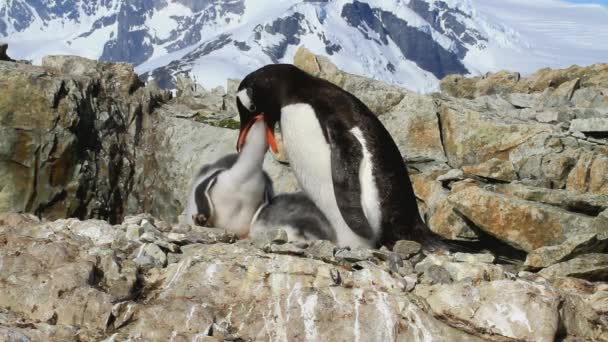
432, 242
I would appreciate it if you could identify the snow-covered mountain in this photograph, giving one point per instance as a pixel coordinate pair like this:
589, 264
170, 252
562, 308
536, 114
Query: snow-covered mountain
408, 42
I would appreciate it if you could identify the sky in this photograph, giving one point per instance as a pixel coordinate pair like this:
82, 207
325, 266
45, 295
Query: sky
604, 2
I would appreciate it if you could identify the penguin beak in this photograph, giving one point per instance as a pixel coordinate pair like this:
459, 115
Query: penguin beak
269, 134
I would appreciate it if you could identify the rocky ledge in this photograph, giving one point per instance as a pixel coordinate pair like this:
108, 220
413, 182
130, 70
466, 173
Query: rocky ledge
149, 280
511, 160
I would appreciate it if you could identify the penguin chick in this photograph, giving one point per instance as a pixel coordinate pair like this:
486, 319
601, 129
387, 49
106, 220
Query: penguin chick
226, 194
297, 215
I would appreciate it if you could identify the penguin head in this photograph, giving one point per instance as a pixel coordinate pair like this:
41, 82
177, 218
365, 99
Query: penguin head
260, 97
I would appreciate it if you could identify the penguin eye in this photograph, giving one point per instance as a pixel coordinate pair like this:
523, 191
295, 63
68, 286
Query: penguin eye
245, 97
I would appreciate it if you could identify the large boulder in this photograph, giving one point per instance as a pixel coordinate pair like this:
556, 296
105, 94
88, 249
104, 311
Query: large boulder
148, 279
70, 130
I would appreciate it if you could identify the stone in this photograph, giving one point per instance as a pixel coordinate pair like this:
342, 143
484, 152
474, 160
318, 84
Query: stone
523, 100
580, 244
380, 97
494, 168
414, 126
593, 267
150, 255
322, 250
487, 136
268, 237
452, 175
406, 248
287, 249
574, 201
590, 98
592, 125
553, 116
562, 95
519, 310
460, 271
354, 254
439, 213
474, 258
583, 312
436, 274
134, 231
523, 224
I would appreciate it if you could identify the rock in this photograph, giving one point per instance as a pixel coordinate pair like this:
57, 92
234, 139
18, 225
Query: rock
286, 249
487, 136
506, 309
474, 258
16, 219
583, 311
593, 125
523, 100
581, 244
3, 55
322, 250
563, 94
79, 152
438, 212
592, 267
553, 116
459, 271
150, 255
268, 237
589, 174
590, 97
452, 175
587, 203
354, 254
134, 231
523, 224
436, 274
378, 96
504, 82
406, 248
414, 126
494, 169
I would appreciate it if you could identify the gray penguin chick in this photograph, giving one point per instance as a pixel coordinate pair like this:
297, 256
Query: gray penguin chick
297, 215
227, 193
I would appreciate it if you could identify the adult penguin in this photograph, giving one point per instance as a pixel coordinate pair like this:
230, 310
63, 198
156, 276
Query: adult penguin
343, 157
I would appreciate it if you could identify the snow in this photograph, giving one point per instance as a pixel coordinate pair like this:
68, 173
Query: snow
556, 34
522, 35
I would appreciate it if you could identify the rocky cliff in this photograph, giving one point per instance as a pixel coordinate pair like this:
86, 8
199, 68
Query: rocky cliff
522, 160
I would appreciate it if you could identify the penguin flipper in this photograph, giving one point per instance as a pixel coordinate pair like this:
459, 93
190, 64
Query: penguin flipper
202, 200
346, 157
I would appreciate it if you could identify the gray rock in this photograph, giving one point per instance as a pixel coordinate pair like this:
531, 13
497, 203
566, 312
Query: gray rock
474, 258
452, 175
593, 125
518, 310
406, 248
322, 249
354, 254
592, 267
436, 274
286, 248
150, 255
134, 232
580, 244
267, 237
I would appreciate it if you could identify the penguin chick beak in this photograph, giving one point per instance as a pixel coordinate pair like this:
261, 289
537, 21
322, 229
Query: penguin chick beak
269, 134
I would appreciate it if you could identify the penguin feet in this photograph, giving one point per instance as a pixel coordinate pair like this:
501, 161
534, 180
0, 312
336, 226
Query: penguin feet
200, 220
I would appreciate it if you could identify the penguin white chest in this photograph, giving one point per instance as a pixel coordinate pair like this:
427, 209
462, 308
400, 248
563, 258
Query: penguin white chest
310, 159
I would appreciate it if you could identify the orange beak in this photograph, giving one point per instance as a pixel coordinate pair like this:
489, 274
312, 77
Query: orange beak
269, 134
